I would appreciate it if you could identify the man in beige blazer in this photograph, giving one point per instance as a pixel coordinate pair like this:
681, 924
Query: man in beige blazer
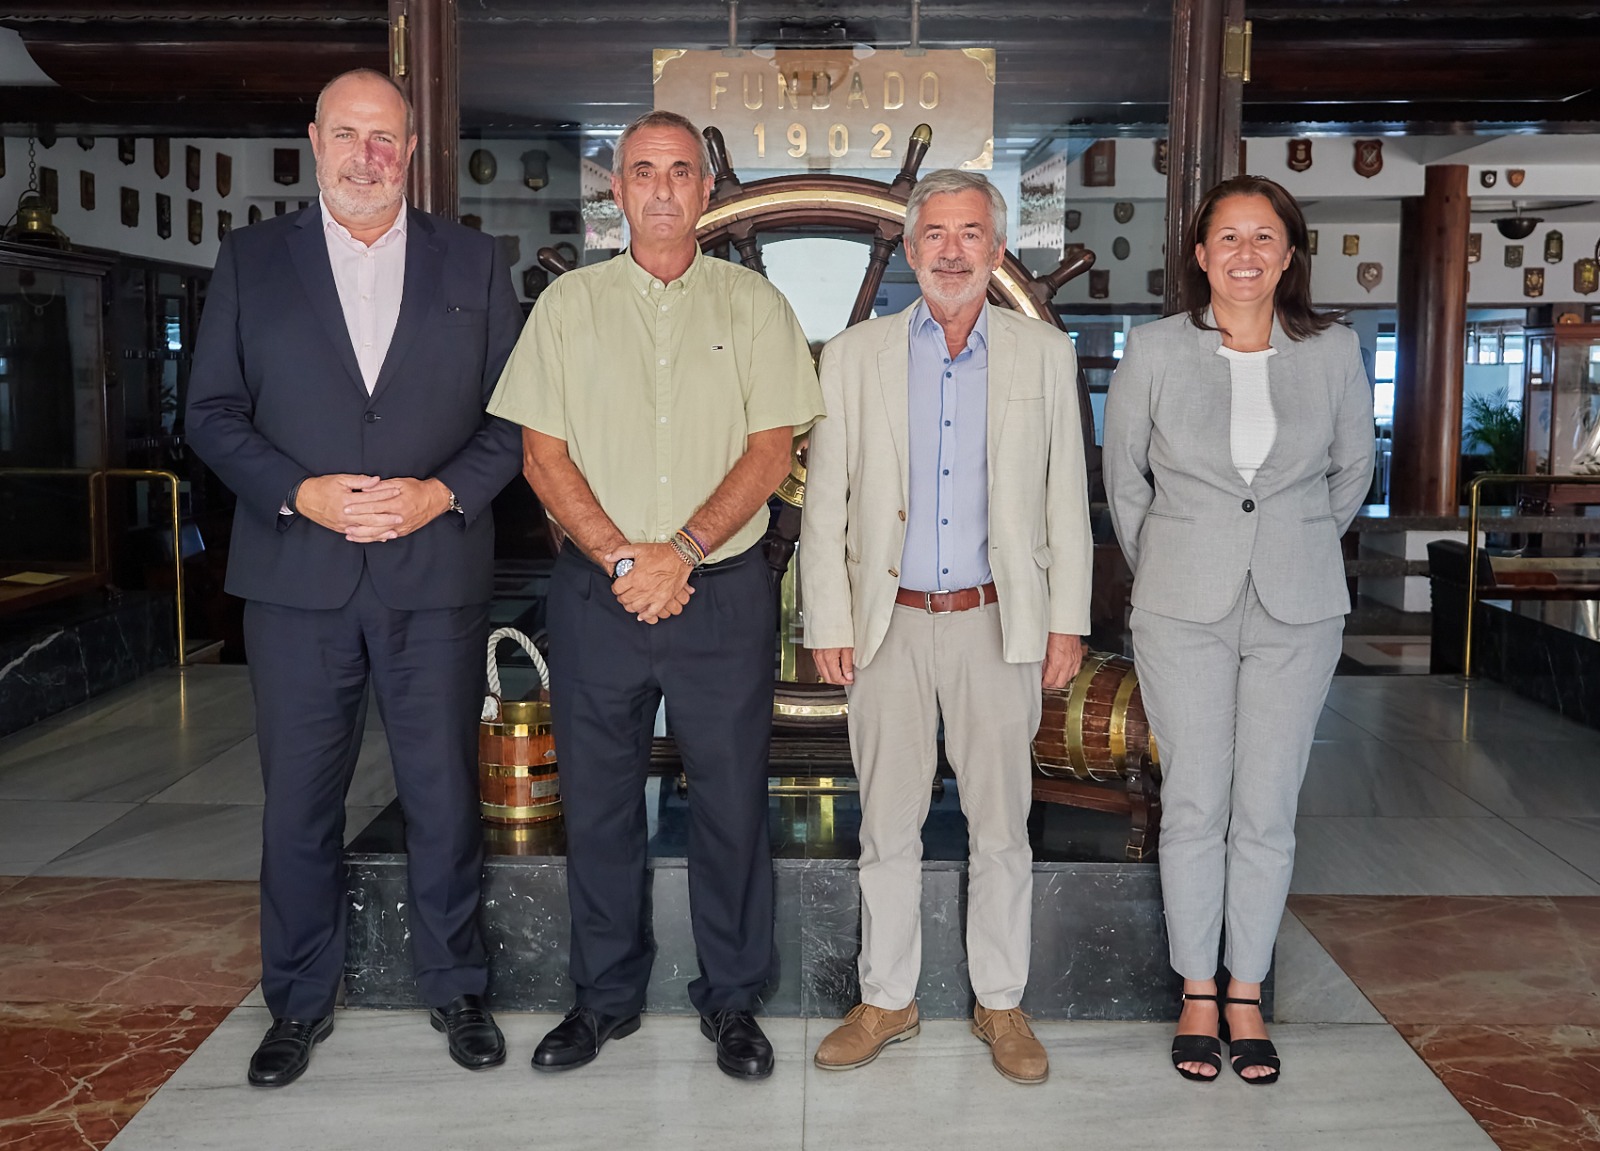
944, 566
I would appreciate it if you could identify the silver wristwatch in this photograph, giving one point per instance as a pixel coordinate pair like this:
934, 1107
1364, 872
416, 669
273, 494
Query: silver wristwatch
622, 568
455, 503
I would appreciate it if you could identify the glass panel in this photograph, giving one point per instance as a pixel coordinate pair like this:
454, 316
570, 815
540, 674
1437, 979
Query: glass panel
51, 343
52, 416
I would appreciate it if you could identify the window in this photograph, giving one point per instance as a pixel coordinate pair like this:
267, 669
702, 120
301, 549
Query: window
1383, 366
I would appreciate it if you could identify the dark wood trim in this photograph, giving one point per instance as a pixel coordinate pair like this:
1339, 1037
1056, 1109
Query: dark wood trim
1197, 34
432, 80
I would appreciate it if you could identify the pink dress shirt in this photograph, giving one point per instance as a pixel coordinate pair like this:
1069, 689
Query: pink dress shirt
370, 279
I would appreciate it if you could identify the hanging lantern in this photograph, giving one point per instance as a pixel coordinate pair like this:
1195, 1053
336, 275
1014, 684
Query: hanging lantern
32, 222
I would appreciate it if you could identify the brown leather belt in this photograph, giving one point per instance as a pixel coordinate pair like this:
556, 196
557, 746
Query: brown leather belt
945, 602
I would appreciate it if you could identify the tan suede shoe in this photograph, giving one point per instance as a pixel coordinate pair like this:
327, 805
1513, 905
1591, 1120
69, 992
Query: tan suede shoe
866, 1031
1016, 1053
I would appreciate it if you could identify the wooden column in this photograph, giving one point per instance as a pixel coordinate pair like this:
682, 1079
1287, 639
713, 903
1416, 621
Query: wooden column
1193, 122
1430, 344
425, 60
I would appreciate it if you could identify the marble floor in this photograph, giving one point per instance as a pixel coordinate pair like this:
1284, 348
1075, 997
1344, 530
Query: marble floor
1438, 975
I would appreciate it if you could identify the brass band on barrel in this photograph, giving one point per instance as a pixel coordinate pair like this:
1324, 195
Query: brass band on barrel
1119, 720
1076, 698
502, 813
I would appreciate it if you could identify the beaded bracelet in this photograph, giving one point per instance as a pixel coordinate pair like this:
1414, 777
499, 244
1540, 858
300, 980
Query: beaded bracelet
699, 544
685, 552
690, 548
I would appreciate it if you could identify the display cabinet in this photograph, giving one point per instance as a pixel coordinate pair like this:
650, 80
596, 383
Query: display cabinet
1561, 400
53, 429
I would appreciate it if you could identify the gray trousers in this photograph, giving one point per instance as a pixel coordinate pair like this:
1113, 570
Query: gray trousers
1234, 707
928, 666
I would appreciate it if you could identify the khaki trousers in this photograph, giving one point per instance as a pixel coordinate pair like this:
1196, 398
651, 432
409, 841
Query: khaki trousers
928, 666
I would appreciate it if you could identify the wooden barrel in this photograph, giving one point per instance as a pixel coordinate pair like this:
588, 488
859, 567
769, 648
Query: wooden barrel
517, 782
1095, 728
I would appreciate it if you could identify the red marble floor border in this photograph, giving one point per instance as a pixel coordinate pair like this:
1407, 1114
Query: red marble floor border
129, 942
1499, 996
75, 1074
1465, 960
9, 881
1530, 1088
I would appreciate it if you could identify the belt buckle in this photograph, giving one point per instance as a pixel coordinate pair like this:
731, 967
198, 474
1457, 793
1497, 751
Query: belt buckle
927, 603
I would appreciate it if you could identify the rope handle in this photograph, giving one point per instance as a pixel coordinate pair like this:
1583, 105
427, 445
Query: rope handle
491, 702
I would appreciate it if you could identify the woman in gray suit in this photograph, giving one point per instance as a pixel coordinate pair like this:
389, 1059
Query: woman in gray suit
1238, 447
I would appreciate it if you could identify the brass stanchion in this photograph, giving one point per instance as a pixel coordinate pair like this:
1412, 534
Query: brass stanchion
99, 547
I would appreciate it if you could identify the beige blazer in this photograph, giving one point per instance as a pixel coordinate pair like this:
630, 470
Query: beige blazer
858, 480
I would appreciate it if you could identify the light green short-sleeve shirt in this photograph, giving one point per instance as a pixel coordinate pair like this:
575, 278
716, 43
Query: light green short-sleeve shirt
655, 386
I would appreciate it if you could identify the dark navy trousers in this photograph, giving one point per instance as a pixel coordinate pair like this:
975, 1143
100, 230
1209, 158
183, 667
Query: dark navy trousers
309, 671
609, 672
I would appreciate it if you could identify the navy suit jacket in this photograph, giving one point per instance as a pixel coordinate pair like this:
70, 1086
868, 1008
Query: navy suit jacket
275, 395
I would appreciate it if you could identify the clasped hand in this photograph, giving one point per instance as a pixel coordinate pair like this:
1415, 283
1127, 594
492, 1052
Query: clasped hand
370, 509
658, 585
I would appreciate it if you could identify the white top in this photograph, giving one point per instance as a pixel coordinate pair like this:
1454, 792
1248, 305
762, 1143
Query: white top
1254, 426
370, 280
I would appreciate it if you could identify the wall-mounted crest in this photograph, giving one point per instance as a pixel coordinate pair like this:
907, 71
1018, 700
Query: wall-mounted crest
1100, 164
1369, 275
1368, 161
1299, 155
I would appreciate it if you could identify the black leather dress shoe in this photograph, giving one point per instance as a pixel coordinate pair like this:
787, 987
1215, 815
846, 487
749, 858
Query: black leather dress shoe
285, 1053
475, 1041
743, 1051
577, 1039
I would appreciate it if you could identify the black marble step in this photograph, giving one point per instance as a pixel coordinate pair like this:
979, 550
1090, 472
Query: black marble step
1099, 939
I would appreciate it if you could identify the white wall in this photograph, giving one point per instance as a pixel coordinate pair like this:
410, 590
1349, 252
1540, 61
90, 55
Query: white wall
102, 228
1338, 201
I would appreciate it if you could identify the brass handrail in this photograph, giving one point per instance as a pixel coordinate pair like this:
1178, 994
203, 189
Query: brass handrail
1472, 540
97, 478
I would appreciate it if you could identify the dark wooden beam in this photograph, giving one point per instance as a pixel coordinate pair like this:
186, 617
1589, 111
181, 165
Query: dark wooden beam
1430, 331
223, 63
52, 111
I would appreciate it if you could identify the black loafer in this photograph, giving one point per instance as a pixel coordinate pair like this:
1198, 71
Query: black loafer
475, 1040
743, 1051
577, 1039
285, 1052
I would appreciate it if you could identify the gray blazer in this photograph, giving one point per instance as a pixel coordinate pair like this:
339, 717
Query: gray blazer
1189, 525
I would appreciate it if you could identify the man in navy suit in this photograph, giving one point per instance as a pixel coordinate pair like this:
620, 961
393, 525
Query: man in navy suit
340, 377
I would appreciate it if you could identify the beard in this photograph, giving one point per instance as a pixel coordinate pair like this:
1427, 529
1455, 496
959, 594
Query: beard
358, 202
957, 297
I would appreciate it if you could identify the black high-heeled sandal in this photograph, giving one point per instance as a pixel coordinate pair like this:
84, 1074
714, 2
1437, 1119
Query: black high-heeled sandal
1205, 1049
1244, 1054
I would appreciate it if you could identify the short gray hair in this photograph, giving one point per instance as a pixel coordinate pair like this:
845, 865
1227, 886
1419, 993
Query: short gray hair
661, 119
947, 180
372, 74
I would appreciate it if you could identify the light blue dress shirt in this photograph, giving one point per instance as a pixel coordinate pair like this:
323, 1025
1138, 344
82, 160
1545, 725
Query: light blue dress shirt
947, 522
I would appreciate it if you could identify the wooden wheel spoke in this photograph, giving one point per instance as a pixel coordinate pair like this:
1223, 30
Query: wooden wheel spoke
883, 246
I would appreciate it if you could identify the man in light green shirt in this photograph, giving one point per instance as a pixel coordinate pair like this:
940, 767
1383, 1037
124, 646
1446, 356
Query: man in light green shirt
659, 394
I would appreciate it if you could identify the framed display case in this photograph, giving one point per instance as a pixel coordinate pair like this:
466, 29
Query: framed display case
1561, 400
53, 428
